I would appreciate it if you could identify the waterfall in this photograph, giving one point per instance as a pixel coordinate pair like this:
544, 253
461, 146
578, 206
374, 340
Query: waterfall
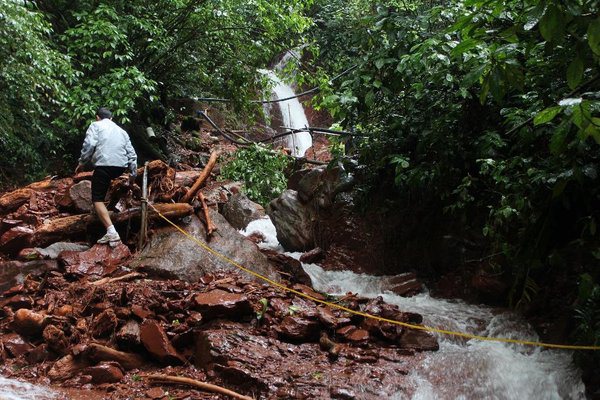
461, 369
291, 110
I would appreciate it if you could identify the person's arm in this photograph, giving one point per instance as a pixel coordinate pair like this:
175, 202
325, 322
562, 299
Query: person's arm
131, 156
89, 145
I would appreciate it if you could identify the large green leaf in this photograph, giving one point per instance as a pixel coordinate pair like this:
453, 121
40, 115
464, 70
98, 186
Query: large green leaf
575, 73
552, 24
593, 33
546, 115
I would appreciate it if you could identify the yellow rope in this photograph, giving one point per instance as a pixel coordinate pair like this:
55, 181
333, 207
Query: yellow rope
366, 315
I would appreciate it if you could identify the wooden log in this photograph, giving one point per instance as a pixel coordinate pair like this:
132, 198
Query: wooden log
97, 352
196, 383
15, 199
202, 178
210, 226
74, 225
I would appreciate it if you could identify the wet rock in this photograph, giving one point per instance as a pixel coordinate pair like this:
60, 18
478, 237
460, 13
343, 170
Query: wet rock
155, 393
289, 267
219, 192
342, 393
56, 339
14, 272
313, 256
104, 323
169, 254
157, 343
358, 335
218, 303
28, 254
15, 344
308, 291
418, 340
55, 249
298, 329
98, 261
240, 211
105, 372
97, 352
40, 354
256, 237
309, 183
81, 196
17, 301
403, 284
328, 318
129, 335
13, 200
141, 312
15, 239
66, 367
28, 323
293, 221
491, 285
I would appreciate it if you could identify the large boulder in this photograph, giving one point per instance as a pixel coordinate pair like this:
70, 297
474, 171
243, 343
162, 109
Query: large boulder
170, 254
240, 211
293, 221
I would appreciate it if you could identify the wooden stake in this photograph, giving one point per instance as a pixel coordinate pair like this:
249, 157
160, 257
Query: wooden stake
210, 226
196, 383
202, 178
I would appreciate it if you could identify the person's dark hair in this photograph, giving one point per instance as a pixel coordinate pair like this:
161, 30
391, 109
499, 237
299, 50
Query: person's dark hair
104, 112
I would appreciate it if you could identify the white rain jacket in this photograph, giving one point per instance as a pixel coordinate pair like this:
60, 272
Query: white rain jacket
107, 144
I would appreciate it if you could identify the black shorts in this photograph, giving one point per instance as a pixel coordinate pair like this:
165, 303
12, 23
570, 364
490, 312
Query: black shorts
101, 181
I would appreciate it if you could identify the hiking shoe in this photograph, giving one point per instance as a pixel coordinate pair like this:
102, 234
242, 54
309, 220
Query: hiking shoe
109, 238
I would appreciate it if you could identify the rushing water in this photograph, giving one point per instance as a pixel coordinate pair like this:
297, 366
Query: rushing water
11, 389
462, 369
291, 110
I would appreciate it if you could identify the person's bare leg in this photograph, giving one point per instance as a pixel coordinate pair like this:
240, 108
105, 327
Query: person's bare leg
102, 213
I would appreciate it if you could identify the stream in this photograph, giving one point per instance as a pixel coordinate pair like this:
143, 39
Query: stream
461, 369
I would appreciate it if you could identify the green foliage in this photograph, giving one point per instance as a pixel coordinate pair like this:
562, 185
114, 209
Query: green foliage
262, 171
477, 108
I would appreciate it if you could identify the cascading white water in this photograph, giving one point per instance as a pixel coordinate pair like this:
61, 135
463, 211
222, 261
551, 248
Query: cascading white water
461, 369
291, 110
11, 389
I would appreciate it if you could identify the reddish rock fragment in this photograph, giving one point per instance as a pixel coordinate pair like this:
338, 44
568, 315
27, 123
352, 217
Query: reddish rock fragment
155, 393
313, 256
15, 239
419, 340
104, 323
218, 303
358, 335
15, 344
308, 291
27, 322
98, 261
66, 368
16, 302
81, 196
105, 372
157, 343
28, 254
298, 329
129, 334
56, 339
141, 312
40, 354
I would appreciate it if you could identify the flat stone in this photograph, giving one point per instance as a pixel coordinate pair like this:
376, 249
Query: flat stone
98, 261
155, 393
52, 252
15, 239
129, 334
157, 343
15, 344
105, 372
289, 267
218, 303
358, 335
17, 301
14, 272
419, 340
299, 329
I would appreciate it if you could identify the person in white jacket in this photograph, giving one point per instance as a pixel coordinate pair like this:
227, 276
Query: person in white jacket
108, 148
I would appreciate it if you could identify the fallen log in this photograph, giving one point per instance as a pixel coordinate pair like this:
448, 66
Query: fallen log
74, 225
202, 178
210, 226
97, 352
196, 383
126, 277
